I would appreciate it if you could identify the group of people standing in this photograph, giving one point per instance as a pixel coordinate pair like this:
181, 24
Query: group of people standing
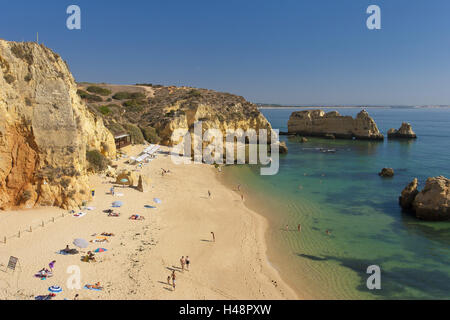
184, 262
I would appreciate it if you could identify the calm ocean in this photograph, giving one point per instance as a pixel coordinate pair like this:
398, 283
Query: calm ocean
342, 192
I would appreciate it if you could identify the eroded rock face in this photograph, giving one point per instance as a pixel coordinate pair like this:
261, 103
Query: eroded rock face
408, 194
242, 115
404, 132
432, 203
283, 149
332, 124
386, 172
45, 130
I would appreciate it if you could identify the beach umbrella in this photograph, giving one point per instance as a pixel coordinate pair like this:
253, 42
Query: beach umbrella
100, 250
81, 243
55, 289
117, 204
157, 200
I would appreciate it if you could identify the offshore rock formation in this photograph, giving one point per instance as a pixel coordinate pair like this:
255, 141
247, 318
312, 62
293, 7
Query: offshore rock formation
45, 130
432, 203
386, 172
404, 132
333, 125
283, 149
409, 194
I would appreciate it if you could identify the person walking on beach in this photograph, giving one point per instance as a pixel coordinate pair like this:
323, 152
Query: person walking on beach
168, 280
287, 228
93, 193
112, 190
173, 279
242, 197
209, 194
187, 262
299, 227
213, 236
51, 265
182, 262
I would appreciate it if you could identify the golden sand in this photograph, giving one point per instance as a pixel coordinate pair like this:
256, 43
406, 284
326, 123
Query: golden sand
142, 254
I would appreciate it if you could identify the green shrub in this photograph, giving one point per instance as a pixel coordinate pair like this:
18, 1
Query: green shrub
134, 105
115, 128
89, 97
99, 90
105, 110
150, 134
97, 161
194, 93
128, 95
136, 134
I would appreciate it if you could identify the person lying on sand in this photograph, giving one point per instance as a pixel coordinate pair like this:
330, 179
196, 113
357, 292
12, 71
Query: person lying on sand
113, 214
136, 217
44, 273
99, 240
106, 234
95, 286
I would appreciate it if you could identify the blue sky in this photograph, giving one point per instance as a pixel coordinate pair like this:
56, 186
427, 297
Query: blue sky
287, 52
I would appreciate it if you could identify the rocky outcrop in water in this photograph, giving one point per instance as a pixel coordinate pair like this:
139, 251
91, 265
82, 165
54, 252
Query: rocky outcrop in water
333, 125
432, 203
386, 172
404, 132
283, 149
408, 194
45, 130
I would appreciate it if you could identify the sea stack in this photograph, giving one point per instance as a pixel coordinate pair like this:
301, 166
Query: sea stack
386, 172
318, 123
404, 132
432, 203
45, 130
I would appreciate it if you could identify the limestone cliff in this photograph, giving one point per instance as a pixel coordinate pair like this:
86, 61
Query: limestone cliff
332, 124
165, 109
45, 130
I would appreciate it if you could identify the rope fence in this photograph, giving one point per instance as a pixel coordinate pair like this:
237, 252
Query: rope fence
4, 239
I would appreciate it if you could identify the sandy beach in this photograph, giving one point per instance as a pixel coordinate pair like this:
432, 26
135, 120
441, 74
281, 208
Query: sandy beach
142, 254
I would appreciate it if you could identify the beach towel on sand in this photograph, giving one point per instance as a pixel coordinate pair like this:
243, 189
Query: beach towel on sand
79, 214
95, 289
45, 297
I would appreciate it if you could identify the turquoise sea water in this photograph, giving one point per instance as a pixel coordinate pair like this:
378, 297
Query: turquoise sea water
342, 192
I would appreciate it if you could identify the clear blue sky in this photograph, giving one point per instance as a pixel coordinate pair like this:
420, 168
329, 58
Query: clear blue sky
287, 52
